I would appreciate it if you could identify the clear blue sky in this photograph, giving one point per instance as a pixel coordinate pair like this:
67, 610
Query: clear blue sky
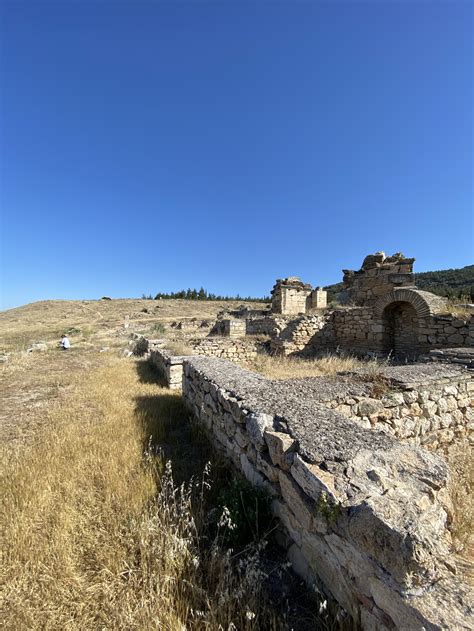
154, 146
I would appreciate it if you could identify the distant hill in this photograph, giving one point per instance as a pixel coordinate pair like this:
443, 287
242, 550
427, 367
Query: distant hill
451, 283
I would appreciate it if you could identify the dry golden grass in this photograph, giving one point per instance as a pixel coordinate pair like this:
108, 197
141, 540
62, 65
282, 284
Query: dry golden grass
95, 533
46, 320
458, 310
460, 458
295, 368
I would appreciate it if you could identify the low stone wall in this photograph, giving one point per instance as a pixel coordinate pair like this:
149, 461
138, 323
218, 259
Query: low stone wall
428, 405
270, 325
364, 514
303, 335
237, 350
169, 366
461, 356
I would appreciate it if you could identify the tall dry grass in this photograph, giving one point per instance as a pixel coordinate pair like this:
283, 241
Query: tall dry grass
460, 458
275, 367
97, 535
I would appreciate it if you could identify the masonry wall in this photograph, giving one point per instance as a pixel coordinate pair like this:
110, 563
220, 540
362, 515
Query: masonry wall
363, 514
170, 367
359, 331
432, 407
238, 350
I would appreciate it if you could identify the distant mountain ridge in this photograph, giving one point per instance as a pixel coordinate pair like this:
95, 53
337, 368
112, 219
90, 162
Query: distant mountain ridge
455, 283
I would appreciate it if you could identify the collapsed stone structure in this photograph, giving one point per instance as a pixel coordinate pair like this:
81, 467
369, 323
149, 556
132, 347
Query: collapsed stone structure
379, 275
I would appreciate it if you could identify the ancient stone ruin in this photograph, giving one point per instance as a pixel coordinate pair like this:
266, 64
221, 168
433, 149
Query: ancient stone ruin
291, 296
352, 463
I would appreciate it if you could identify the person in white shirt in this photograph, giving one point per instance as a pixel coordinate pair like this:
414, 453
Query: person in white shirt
65, 343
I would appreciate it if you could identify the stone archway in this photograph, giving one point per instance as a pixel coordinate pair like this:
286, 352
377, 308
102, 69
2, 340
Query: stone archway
400, 312
400, 330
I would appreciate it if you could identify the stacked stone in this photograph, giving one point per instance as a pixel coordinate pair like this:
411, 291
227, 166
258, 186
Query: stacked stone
303, 334
378, 276
233, 328
270, 325
291, 296
462, 356
361, 513
169, 366
234, 349
434, 409
355, 329
446, 330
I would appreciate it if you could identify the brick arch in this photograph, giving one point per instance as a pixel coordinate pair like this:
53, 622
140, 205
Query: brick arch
425, 303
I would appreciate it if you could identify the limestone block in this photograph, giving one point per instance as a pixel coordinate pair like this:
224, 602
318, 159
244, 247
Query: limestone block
368, 407
324, 563
313, 480
265, 466
281, 448
256, 425
250, 472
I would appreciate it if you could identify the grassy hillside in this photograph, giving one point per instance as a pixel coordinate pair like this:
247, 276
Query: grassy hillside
47, 319
452, 283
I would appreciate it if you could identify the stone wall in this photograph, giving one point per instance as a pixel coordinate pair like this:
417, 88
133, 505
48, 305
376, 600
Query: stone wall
238, 350
427, 405
291, 296
378, 276
169, 366
362, 331
303, 335
228, 327
269, 325
363, 514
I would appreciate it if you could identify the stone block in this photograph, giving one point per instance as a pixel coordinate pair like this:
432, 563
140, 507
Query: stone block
313, 480
281, 448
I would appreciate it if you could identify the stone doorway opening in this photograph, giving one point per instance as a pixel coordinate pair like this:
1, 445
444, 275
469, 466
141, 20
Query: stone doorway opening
400, 330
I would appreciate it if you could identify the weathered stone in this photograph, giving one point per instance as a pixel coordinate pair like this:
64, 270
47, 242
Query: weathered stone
256, 425
281, 448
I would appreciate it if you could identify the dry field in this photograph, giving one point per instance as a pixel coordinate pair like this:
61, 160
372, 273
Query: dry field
47, 320
98, 532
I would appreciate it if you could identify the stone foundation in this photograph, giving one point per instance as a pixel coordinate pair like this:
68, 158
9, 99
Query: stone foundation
363, 514
170, 367
427, 405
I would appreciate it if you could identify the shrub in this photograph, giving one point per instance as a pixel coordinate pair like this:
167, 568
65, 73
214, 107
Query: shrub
158, 328
246, 511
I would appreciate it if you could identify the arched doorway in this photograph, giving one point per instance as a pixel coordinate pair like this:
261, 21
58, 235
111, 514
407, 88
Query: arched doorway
400, 330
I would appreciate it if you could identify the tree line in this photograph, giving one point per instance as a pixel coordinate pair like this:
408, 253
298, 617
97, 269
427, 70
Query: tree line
201, 294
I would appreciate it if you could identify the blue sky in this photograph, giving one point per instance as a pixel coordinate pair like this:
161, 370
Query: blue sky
154, 146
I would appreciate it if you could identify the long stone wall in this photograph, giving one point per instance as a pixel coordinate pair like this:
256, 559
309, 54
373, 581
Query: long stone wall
360, 330
364, 514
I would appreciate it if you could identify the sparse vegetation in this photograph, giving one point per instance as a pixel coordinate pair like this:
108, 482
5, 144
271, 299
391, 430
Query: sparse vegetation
158, 328
293, 368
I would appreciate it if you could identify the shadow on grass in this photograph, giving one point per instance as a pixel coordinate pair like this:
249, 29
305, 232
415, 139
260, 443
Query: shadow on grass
149, 374
170, 433
168, 430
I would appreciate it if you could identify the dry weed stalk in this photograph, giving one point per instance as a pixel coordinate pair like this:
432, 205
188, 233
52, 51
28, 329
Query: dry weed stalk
96, 533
